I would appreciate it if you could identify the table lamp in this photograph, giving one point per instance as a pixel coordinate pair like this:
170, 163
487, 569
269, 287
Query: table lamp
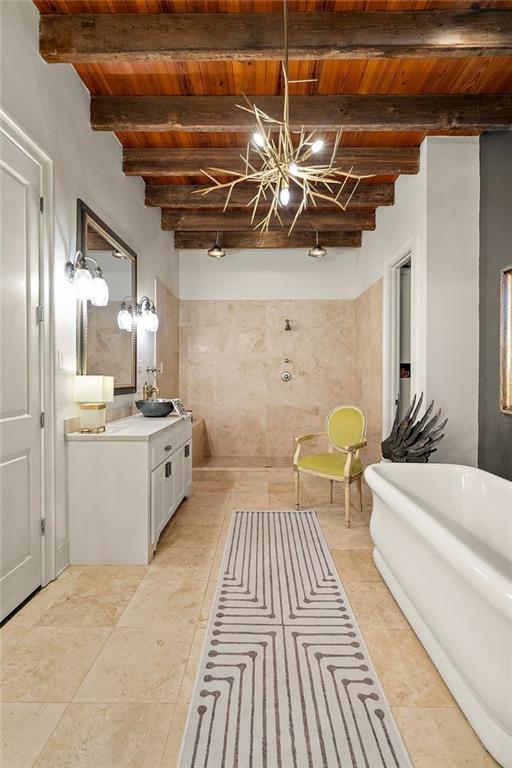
92, 392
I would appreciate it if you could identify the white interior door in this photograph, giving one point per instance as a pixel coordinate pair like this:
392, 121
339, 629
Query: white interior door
20, 378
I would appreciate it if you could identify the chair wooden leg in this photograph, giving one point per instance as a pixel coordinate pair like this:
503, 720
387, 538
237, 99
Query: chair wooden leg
347, 504
360, 488
297, 489
332, 490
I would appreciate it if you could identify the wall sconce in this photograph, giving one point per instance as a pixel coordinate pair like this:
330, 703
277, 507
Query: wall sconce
87, 286
125, 316
144, 314
147, 317
92, 392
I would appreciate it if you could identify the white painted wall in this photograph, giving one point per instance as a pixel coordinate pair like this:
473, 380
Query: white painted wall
268, 274
453, 252
436, 213
51, 104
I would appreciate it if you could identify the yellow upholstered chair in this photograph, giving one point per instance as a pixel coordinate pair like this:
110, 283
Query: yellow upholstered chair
346, 431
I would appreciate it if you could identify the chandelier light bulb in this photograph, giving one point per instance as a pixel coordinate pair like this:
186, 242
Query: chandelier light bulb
293, 168
317, 146
258, 139
284, 195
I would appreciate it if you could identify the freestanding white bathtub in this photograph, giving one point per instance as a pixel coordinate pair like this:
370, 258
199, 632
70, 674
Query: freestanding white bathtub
443, 544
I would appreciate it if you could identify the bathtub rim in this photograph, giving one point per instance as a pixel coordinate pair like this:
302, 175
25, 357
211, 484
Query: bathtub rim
497, 741
489, 581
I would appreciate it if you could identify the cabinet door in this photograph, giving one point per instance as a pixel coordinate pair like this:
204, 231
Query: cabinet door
158, 501
179, 475
170, 501
187, 467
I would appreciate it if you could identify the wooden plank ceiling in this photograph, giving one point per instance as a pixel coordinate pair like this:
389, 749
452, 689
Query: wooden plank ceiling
393, 70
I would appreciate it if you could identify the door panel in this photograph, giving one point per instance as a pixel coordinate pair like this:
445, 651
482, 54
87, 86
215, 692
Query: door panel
20, 378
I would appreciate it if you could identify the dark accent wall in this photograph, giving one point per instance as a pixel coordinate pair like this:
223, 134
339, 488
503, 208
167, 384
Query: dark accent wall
495, 427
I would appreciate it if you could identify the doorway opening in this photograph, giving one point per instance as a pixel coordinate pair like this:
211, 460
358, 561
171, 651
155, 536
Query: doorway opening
399, 334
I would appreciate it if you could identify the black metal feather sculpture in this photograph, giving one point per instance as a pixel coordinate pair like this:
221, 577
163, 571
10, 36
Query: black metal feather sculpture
413, 442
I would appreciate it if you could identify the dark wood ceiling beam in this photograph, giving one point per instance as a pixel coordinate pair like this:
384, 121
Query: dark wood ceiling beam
236, 36
189, 197
190, 161
324, 113
251, 239
240, 221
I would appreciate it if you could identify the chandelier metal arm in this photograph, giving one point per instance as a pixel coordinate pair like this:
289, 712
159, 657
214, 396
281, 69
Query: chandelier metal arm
283, 163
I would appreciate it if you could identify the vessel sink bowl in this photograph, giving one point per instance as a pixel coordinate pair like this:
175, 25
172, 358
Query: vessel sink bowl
160, 407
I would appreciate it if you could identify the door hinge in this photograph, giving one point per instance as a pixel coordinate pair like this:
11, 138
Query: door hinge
43, 526
41, 420
41, 205
40, 313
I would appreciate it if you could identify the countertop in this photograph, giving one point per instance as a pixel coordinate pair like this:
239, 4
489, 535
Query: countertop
137, 427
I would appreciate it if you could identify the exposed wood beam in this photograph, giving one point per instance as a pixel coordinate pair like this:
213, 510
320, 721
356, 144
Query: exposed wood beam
189, 197
228, 36
240, 221
250, 239
324, 113
189, 161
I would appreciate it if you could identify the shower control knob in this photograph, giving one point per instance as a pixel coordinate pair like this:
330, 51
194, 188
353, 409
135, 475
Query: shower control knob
286, 376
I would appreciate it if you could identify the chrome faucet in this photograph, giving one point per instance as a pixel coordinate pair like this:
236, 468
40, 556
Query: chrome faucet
148, 391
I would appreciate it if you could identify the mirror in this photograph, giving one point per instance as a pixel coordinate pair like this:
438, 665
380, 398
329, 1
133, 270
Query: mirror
103, 348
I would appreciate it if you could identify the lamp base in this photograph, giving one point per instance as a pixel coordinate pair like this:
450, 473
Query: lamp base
92, 418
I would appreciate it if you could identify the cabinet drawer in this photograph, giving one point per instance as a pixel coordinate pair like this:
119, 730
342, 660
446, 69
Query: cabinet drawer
162, 448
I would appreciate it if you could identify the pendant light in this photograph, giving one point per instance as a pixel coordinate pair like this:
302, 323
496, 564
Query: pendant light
216, 252
317, 251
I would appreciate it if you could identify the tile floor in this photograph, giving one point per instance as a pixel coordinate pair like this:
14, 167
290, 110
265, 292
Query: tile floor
97, 670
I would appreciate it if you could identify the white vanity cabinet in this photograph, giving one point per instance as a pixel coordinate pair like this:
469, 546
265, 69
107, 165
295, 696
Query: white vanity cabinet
124, 485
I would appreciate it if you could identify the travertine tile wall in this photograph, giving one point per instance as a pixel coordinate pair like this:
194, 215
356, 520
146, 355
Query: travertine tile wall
167, 349
232, 354
368, 368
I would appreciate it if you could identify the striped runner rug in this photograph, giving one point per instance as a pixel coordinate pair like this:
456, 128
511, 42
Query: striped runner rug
285, 680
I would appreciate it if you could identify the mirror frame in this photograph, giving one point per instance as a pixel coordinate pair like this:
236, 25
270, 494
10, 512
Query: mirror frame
506, 340
83, 215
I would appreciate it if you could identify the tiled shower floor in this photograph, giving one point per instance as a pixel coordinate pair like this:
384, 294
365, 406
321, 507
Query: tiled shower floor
98, 669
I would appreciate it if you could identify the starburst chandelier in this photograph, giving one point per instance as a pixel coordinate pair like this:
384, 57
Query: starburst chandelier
277, 162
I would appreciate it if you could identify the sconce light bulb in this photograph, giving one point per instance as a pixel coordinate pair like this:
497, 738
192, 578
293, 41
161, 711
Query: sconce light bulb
124, 320
258, 139
149, 320
284, 195
99, 297
317, 146
83, 283
155, 322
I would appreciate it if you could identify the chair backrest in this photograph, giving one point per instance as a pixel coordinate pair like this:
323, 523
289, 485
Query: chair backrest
346, 425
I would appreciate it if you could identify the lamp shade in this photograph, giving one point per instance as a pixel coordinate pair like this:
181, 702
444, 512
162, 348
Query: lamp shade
94, 389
